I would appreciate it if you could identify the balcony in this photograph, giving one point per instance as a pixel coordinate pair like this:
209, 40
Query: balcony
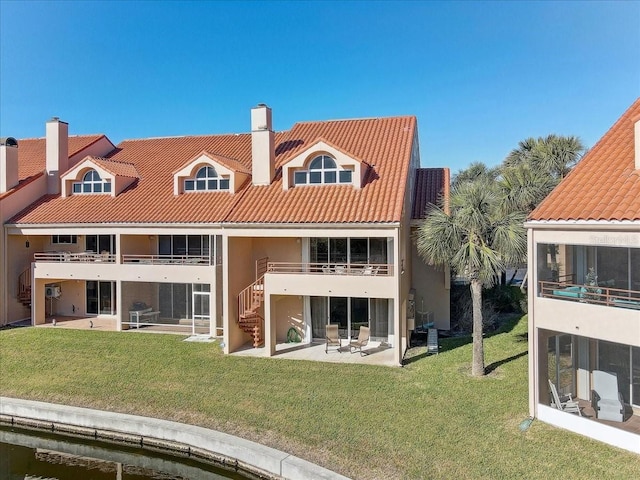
57, 257
84, 257
167, 259
330, 269
596, 294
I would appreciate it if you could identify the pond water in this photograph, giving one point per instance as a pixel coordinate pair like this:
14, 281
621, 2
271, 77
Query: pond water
37, 455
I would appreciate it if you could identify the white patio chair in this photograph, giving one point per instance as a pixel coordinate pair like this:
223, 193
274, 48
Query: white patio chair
567, 404
606, 398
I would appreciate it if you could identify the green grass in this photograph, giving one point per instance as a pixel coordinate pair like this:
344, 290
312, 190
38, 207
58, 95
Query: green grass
430, 419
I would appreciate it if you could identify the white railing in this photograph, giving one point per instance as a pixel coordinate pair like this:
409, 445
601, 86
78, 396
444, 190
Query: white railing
379, 269
74, 257
167, 259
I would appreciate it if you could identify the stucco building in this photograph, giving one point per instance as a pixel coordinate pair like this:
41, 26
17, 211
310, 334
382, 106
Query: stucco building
584, 293
251, 237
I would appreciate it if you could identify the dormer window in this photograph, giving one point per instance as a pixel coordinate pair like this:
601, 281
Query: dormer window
206, 179
92, 183
322, 170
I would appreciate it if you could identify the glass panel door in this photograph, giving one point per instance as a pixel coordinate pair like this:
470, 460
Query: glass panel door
101, 297
378, 250
107, 297
100, 243
613, 267
201, 299
338, 314
358, 249
338, 250
319, 316
92, 297
359, 315
635, 375
379, 319
561, 364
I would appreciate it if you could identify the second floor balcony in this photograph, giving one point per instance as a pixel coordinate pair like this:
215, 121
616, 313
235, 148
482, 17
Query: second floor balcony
351, 269
92, 257
591, 274
592, 294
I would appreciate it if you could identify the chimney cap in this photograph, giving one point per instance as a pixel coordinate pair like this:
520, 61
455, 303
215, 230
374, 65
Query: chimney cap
262, 105
8, 141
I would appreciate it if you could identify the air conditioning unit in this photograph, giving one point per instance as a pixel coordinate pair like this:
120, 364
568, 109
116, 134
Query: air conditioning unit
52, 292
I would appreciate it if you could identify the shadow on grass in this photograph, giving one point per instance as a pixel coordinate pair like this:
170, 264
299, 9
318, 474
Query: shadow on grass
508, 324
491, 367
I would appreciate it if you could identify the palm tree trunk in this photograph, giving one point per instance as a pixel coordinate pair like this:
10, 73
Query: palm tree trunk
477, 366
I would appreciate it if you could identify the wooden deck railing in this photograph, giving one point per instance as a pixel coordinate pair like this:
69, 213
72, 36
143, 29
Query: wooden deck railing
598, 295
379, 269
251, 298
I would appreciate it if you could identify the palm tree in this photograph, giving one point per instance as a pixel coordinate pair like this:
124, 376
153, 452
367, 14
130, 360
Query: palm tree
554, 155
475, 171
476, 238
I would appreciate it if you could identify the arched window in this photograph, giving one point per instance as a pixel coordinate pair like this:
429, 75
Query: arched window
92, 183
206, 179
322, 169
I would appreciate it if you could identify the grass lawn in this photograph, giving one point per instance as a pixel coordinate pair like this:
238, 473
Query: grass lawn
429, 419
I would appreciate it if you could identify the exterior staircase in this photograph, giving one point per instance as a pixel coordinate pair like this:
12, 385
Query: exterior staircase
250, 303
24, 288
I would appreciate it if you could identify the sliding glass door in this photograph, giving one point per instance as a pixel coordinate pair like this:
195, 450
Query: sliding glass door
350, 314
357, 251
101, 298
101, 243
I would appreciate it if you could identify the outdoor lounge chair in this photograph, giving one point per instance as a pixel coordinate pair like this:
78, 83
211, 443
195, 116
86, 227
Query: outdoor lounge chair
333, 338
606, 399
363, 339
565, 404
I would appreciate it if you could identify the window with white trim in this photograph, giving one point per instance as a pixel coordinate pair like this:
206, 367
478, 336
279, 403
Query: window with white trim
322, 170
206, 179
92, 183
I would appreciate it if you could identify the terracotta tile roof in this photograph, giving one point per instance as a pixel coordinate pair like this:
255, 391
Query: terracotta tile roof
32, 152
120, 169
384, 143
32, 157
431, 185
230, 163
605, 185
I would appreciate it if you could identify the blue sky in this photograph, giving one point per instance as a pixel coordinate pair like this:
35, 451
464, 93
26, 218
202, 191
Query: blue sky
480, 76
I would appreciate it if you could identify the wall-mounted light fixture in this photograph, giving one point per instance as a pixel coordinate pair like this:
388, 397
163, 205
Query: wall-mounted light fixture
402, 266
26, 244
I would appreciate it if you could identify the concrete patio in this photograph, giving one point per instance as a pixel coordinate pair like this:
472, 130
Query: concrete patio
376, 353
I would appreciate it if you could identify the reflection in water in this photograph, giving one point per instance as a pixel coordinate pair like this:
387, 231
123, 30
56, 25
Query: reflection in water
28, 455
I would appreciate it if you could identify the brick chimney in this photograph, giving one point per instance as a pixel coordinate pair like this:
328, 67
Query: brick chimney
8, 164
57, 152
263, 156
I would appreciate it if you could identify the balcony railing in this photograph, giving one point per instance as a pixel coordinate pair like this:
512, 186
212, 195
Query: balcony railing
53, 257
598, 295
380, 269
74, 257
167, 259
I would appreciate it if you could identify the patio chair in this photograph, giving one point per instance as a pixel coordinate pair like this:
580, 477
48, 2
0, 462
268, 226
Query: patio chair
361, 341
606, 399
333, 338
564, 404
